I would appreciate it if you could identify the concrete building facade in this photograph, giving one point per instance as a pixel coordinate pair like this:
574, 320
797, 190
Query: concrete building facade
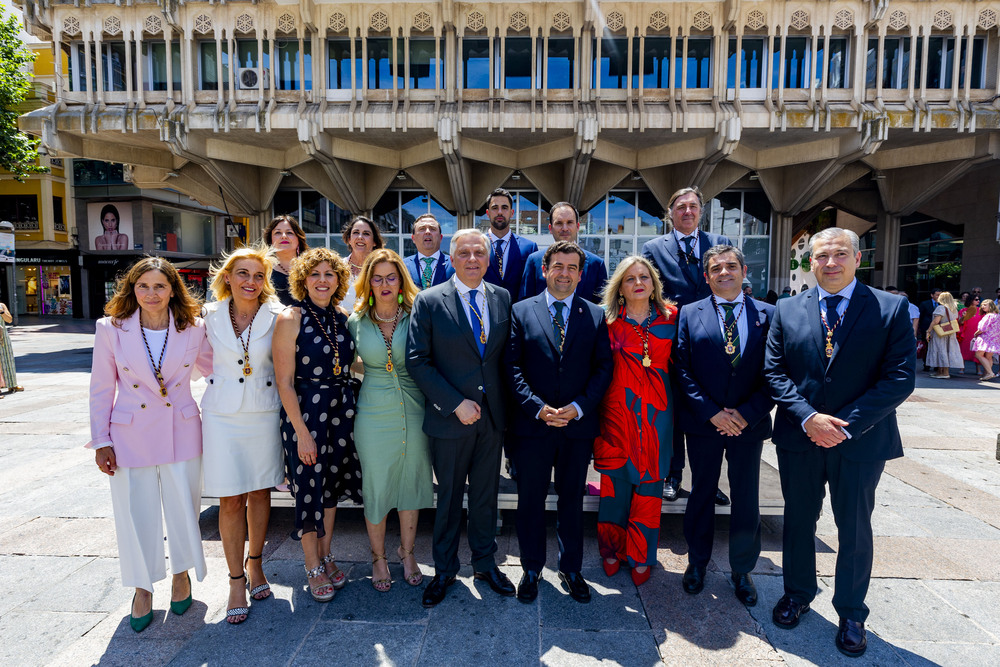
879, 115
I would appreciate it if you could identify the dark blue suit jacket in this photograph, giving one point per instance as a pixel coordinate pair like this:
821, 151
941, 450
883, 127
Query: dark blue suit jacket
709, 382
442, 269
513, 269
872, 371
595, 274
538, 375
666, 255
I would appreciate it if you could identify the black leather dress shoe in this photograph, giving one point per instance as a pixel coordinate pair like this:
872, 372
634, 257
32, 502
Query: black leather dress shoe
437, 589
527, 590
498, 581
671, 488
693, 579
578, 588
787, 612
721, 499
746, 592
851, 638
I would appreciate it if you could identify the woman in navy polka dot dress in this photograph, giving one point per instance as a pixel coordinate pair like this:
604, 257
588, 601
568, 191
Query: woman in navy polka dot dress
312, 352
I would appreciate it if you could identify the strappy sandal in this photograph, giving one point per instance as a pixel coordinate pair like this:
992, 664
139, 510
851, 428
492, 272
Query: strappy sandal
414, 578
337, 578
381, 585
264, 588
317, 591
237, 611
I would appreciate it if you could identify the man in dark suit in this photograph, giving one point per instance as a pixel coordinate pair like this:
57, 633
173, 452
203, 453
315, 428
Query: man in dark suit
926, 315
719, 363
559, 366
457, 335
508, 251
677, 256
840, 358
564, 225
429, 266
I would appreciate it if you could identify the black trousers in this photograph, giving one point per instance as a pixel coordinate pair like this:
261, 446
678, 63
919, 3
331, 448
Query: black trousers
475, 457
804, 476
677, 457
743, 456
535, 460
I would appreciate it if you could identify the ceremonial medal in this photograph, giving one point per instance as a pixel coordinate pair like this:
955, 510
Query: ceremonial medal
730, 348
646, 361
336, 369
247, 368
157, 365
829, 344
159, 381
482, 337
388, 365
326, 334
388, 339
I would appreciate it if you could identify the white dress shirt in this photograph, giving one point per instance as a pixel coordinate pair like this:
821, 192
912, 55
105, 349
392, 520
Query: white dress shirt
507, 238
741, 320
464, 290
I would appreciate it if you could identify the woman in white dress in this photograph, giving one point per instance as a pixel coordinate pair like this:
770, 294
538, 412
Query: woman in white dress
943, 352
242, 448
362, 237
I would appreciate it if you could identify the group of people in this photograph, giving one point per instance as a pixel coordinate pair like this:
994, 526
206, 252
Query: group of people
367, 377
955, 334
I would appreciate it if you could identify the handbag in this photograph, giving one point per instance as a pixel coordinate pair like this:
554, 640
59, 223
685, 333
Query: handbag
949, 328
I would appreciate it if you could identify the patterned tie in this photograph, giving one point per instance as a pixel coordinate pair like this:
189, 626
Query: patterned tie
498, 249
730, 324
690, 263
427, 277
477, 319
558, 327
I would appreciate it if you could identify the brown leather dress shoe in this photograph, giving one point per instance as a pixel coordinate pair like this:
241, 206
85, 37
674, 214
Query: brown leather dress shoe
787, 612
851, 638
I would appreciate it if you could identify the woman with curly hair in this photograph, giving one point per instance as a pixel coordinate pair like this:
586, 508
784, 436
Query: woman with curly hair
313, 351
146, 431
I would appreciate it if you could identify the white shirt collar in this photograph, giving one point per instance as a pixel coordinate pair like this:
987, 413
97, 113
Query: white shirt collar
465, 289
847, 292
738, 300
494, 238
680, 237
550, 300
421, 256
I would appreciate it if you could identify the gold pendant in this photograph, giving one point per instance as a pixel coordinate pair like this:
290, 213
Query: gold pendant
829, 350
388, 366
646, 361
247, 370
730, 348
482, 337
336, 369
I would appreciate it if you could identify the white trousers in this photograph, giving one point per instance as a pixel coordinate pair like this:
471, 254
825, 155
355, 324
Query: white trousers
145, 498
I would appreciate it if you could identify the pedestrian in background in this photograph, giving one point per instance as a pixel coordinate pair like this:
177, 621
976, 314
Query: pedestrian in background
986, 340
146, 431
288, 241
968, 321
943, 352
8, 373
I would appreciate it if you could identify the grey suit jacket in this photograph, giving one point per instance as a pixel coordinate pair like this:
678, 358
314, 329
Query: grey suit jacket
443, 358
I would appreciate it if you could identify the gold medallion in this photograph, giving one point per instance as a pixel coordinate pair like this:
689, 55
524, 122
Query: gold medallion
829, 350
388, 366
247, 370
646, 361
482, 337
336, 369
730, 348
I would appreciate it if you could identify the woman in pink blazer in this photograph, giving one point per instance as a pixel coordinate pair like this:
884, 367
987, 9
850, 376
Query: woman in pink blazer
146, 429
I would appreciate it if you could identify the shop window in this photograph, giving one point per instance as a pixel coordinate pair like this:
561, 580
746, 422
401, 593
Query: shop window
930, 254
695, 63
183, 231
208, 57
744, 217
561, 63
340, 63
21, 210
750, 67
96, 172
154, 54
475, 62
287, 75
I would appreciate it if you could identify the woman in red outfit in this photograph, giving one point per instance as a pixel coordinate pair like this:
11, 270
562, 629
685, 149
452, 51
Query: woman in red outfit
968, 319
637, 418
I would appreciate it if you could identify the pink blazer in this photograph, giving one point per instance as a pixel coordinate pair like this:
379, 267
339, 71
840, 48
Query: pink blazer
145, 428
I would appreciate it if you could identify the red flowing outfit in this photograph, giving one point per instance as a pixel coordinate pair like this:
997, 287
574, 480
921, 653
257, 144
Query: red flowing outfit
634, 448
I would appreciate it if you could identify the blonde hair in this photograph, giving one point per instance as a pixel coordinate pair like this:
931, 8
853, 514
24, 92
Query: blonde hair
257, 252
612, 289
363, 285
988, 306
123, 304
303, 265
948, 301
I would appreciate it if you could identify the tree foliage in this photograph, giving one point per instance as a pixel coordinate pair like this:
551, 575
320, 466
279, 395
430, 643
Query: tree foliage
18, 152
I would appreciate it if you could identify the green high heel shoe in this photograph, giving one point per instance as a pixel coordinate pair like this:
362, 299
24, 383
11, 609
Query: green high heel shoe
182, 606
139, 623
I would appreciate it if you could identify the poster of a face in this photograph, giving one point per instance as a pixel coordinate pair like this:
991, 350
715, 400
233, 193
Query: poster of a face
110, 226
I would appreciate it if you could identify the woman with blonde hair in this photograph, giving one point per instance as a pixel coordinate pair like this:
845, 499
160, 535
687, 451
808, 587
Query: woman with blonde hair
145, 428
313, 351
943, 352
243, 456
633, 450
986, 340
394, 451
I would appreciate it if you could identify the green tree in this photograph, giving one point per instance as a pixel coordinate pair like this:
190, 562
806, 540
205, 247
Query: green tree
18, 152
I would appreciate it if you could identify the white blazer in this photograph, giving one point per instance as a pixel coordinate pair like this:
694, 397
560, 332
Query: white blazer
229, 391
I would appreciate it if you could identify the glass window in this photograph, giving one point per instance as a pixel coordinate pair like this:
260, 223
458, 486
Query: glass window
183, 231
378, 63
837, 67
314, 210
896, 65
621, 213
941, 61
22, 210
751, 63
595, 221
155, 54
797, 55
613, 66
696, 62
286, 77
209, 59
528, 215
113, 64
339, 66
424, 64
517, 63
562, 59
58, 224
475, 62
246, 54
650, 213
656, 62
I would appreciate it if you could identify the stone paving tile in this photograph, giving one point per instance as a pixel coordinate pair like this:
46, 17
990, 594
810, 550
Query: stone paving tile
937, 654
62, 537
906, 610
614, 604
93, 586
359, 644
980, 504
20, 576
980, 470
569, 648
975, 599
23, 632
125, 651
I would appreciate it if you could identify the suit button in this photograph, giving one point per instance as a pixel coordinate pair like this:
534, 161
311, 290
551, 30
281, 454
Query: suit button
239, 361
268, 383
211, 381
829, 379
124, 368
241, 380
143, 406
168, 405
480, 388
187, 365
135, 386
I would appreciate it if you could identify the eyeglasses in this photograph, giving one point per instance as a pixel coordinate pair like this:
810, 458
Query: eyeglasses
391, 280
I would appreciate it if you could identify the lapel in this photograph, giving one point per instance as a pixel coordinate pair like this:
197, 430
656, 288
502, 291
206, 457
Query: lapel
439, 270
814, 323
455, 305
493, 304
859, 301
262, 321
513, 254
709, 320
136, 355
755, 326
413, 266
222, 324
575, 322
541, 310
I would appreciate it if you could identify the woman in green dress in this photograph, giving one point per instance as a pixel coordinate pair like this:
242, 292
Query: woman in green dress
388, 431
8, 374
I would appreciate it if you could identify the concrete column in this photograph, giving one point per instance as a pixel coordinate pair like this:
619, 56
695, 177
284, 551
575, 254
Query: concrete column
886, 250
780, 270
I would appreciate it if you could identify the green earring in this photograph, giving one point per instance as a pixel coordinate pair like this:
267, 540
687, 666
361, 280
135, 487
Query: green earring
371, 300
399, 299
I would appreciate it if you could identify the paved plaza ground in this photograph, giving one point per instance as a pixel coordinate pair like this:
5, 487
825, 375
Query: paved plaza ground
933, 597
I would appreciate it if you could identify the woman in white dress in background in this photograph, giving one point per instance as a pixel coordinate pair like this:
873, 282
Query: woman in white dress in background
242, 449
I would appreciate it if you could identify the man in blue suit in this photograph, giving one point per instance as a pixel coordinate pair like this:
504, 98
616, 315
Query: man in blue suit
508, 251
559, 366
719, 363
564, 225
840, 358
677, 256
429, 266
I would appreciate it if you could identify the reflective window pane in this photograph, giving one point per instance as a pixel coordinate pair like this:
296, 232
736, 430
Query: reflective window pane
314, 210
756, 252
594, 221
517, 63
475, 63
562, 57
656, 62
651, 214
378, 63
618, 249
621, 213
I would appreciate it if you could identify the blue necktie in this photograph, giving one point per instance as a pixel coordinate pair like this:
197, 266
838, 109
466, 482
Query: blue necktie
498, 251
690, 261
477, 321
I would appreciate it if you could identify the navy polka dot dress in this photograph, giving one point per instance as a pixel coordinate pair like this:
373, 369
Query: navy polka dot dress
328, 408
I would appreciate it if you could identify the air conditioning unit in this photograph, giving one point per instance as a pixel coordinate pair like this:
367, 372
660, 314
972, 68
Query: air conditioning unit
249, 78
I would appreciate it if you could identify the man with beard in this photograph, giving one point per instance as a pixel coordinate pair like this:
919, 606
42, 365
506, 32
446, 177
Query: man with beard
508, 251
